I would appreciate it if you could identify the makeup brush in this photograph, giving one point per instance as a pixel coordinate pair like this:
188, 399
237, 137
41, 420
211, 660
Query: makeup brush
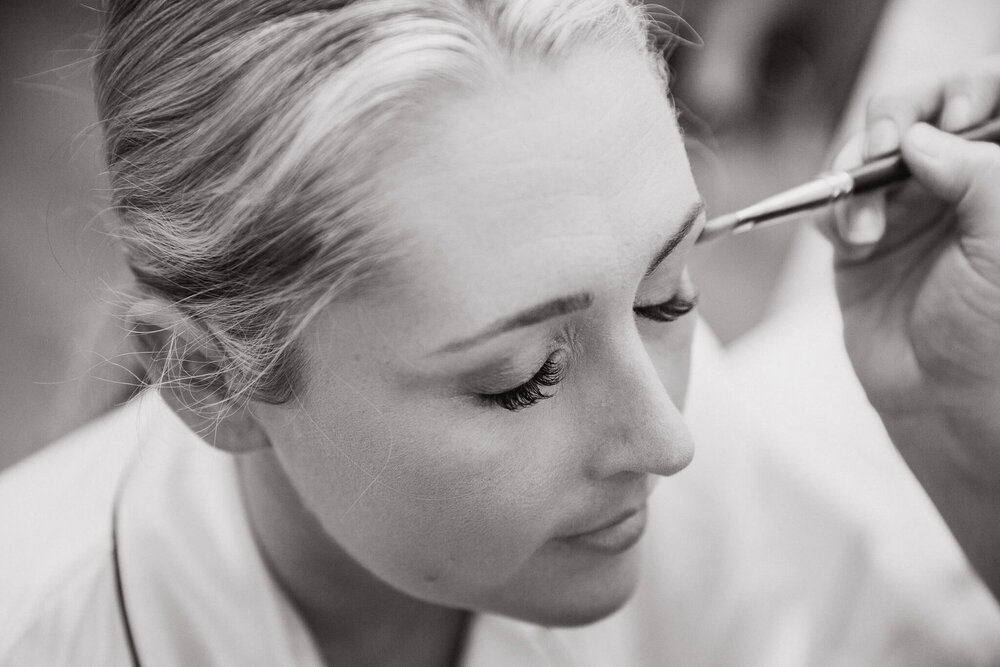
828, 188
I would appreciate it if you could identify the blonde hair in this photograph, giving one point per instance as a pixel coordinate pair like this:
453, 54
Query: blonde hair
242, 137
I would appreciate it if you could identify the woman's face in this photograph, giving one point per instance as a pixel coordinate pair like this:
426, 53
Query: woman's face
469, 433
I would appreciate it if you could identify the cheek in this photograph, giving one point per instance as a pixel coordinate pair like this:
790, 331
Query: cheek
430, 499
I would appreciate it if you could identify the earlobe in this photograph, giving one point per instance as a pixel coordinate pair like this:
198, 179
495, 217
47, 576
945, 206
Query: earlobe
235, 431
181, 358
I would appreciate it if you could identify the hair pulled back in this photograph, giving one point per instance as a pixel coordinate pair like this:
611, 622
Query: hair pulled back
242, 137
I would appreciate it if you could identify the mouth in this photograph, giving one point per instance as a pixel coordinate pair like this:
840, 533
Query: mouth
615, 537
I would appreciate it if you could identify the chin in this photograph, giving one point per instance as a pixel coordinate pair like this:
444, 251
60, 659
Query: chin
584, 613
576, 598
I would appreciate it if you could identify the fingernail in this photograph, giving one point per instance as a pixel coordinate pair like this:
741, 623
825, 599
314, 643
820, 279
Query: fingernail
926, 139
882, 138
865, 227
957, 113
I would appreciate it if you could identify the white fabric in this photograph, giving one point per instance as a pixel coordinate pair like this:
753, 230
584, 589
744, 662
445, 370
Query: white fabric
758, 554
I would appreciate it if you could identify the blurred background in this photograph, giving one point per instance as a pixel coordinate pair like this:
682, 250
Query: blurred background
766, 89
54, 260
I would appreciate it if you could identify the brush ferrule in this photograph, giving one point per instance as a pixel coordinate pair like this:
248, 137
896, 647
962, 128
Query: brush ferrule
743, 225
841, 184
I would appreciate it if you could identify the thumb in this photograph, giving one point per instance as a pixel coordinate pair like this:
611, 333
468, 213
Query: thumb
963, 173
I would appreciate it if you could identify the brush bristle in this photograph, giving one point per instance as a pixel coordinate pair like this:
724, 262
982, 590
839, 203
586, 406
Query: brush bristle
719, 226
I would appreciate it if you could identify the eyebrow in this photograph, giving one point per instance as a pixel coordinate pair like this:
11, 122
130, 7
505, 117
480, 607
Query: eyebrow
568, 304
675, 240
534, 315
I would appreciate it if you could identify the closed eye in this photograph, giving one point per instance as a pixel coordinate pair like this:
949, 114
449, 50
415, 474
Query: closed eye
668, 311
534, 390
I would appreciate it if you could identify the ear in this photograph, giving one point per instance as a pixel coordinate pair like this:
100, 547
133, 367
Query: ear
184, 353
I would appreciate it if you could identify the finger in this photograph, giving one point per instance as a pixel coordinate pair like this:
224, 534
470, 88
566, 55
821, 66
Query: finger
856, 224
851, 155
891, 112
958, 102
863, 223
964, 173
972, 97
828, 221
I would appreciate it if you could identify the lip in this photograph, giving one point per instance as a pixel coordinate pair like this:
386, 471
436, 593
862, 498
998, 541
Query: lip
616, 537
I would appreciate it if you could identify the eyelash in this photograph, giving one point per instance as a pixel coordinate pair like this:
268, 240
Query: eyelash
551, 372
668, 311
532, 391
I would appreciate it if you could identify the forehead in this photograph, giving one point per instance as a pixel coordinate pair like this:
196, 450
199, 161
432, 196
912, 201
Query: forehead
553, 180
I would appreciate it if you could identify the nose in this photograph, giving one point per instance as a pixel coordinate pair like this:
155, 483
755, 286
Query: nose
635, 426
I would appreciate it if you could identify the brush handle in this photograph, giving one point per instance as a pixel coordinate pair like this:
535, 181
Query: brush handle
892, 169
828, 188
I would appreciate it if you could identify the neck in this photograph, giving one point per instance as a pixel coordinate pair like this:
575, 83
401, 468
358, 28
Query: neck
354, 617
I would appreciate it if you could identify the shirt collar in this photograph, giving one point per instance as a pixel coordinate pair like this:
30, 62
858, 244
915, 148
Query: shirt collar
195, 586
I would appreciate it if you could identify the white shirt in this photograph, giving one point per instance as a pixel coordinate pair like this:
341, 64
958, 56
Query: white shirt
753, 558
